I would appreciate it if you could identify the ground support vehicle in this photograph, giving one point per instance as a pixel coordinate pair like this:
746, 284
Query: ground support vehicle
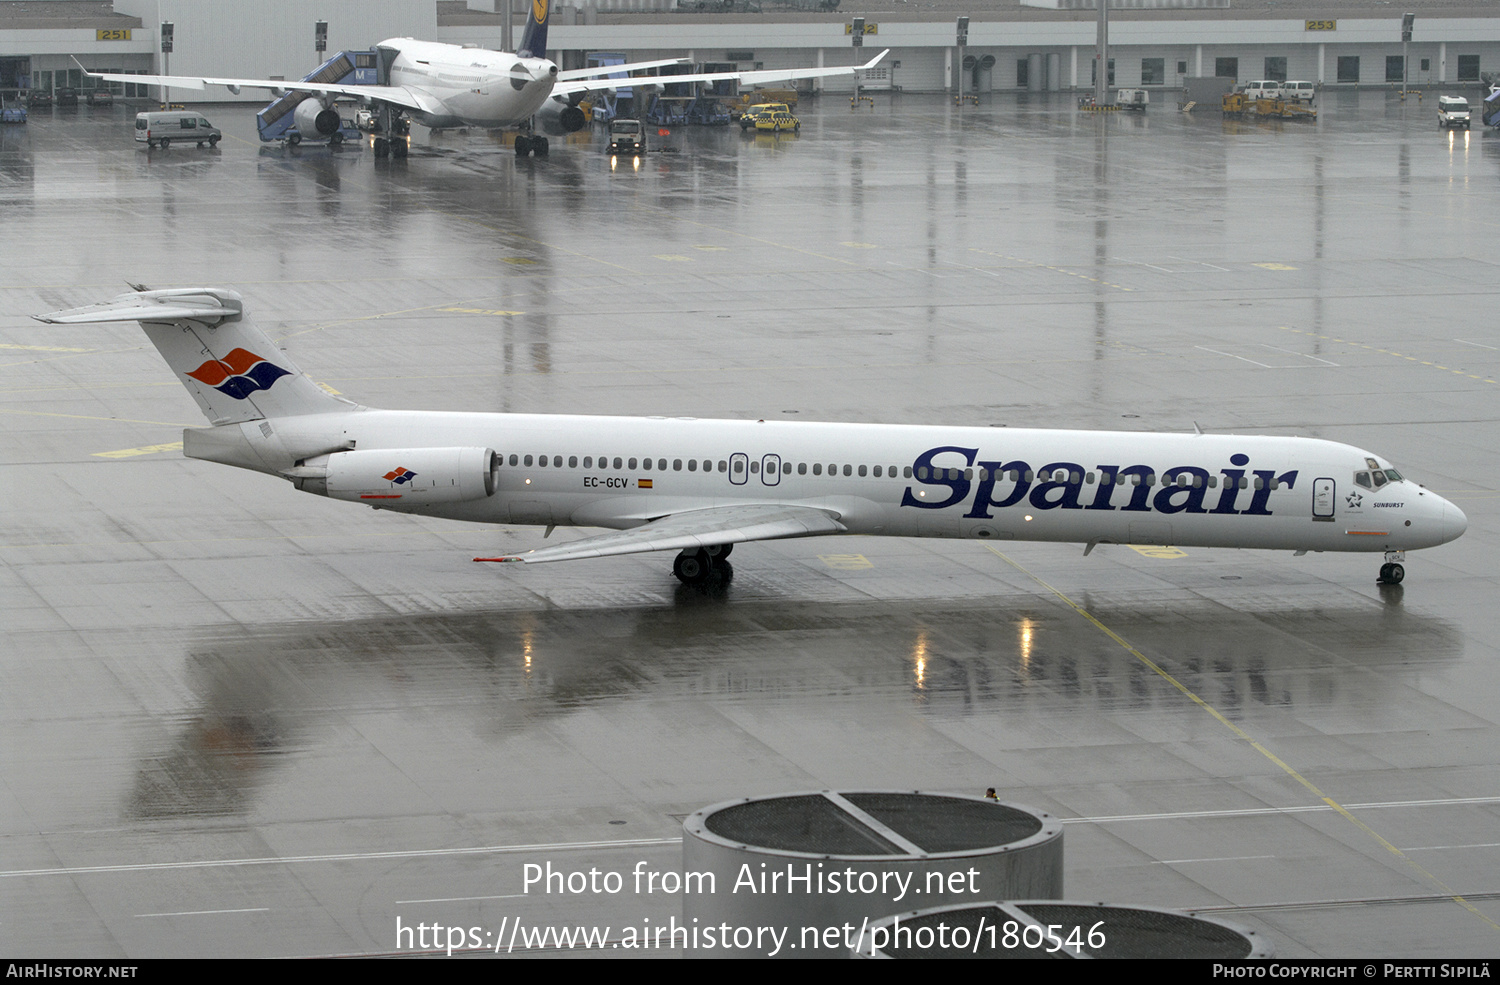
778, 121
1453, 112
626, 136
1240, 104
748, 117
11, 111
162, 129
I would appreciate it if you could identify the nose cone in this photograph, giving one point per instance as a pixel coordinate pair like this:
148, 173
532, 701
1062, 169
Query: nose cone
1454, 523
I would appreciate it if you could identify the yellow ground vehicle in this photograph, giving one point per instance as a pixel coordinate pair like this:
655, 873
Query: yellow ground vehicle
747, 118
777, 121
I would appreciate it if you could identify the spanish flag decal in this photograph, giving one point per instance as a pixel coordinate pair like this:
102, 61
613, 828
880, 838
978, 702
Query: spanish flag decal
643, 483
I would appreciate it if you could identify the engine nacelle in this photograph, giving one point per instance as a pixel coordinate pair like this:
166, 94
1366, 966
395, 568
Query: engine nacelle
559, 113
316, 120
405, 477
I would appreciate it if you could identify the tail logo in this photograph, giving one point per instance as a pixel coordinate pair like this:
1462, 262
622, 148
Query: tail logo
239, 374
539, 11
400, 475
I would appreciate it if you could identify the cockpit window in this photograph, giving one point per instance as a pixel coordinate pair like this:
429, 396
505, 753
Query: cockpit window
1379, 478
1363, 479
1393, 475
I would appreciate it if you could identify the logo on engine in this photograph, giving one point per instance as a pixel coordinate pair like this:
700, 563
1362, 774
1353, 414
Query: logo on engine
400, 476
239, 374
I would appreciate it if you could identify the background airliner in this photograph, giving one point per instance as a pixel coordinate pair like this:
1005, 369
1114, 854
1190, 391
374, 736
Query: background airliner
447, 85
702, 486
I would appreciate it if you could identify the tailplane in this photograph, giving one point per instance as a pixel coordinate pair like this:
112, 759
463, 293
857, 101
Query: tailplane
233, 369
534, 38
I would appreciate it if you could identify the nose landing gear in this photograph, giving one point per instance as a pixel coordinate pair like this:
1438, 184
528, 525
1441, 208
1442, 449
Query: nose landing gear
1392, 571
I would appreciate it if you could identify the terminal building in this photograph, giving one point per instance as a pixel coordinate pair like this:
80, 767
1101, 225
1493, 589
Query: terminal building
1042, 45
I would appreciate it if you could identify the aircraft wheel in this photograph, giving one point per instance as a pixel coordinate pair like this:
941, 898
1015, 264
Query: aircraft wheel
1392, 574
382, 147
693, 568
399, 148
539, 146
719, 551
523, 145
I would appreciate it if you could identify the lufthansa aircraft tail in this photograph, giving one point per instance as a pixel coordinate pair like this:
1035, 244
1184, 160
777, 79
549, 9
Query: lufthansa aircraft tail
233, 369
534, 39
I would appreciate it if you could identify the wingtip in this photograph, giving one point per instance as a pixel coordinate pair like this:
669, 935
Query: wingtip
498, 560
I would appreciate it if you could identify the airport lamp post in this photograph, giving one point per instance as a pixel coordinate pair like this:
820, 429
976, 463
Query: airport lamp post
1101, 56
857, 40
320, 38
166, 62
962, 42
1407, 20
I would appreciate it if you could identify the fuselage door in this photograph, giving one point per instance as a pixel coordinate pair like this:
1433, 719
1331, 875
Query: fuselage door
770, 470
1323, 499
739, 468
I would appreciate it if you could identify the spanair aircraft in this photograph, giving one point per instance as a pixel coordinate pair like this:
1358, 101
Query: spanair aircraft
702, 486
449, 85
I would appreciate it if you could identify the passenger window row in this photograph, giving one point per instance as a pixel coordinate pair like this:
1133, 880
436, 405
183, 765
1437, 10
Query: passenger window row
922, 472
694, 465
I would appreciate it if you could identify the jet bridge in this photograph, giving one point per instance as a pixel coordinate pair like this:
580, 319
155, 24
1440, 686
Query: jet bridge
287, 119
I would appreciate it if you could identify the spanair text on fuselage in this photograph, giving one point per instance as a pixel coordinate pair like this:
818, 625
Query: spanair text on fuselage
986, 483
474, 86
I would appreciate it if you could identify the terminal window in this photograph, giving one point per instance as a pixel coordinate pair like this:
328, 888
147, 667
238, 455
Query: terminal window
1468, 68
1153, 71
1395, 68
1227, 68
1348, 68
1276, 69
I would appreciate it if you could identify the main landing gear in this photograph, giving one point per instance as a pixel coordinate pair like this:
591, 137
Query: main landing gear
703, 565
531, 144
393, 130
1391, 572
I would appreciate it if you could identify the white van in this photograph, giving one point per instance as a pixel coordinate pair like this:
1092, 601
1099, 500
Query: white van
1303, 92
164, 129
1453, 111
1263, 89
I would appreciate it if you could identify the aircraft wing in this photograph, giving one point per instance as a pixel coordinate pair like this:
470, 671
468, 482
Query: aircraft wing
399, 95
753, 77
692, 529
597, 70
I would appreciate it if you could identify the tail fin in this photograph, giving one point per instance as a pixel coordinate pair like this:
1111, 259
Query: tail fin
233, 369
534, 39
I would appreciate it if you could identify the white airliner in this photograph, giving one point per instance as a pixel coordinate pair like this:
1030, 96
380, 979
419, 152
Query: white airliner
448, 85
702, 486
